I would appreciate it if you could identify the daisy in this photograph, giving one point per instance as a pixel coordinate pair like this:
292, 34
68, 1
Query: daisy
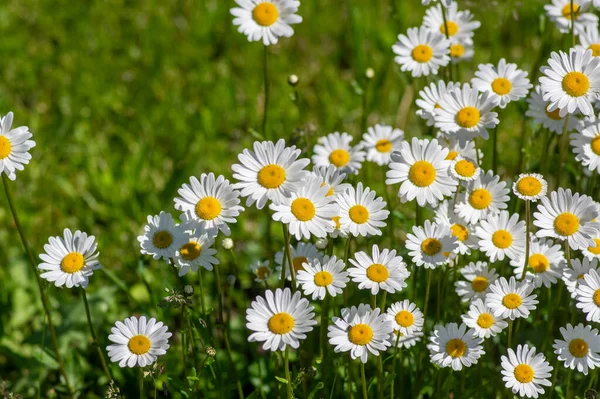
360, 331
421, 51
162, 238
593, 251
422, 169
589, 39
551, 120
459, 24
430, 97
530, 187
463, 231
545, 265
360, 212
138, 342
505, 83
478, 278
280, 320
319, 278
586, 146
380, 142
196, 251
332, 178
406, 317
461, 50
383, 270
465, 150
445, 3
261, 270
588, 296
571, 81
464, 169
302, 253
481, 319
335, 149
567, 216
560, 13
483, 196
400, 340
511, 299
431, 244
14, 147
454, 346
573, 274
266, 20
579, 349
213, 201
525, 372
70, 260
270, 172
501, 235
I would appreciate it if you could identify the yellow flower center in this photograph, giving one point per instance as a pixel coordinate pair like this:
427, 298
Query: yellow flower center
360, 334
422, 174
501, 86
303, 209
298, 261
438, 106
422, 53
330, 192
460, 232
208, 208
566, 11
539, 263
452, 28
281, 323
529, 186
263, 272
265, 14
383, 145
5, 147
595, 250
457, 50
359, 214
339, 157
580, 276
456, 347
451, 155
512, 301
575, 84
479, 284
597, 297
190, 250
323, 279
431, 246
566, 224
162, 239
377, 273
578, 347
404, 318
271, 176
524, 373
139, 344
485, 320
480, 198
465, 168
502, 239
72, 263
595, 145
336, 220
468, 117
595, 47
554, 115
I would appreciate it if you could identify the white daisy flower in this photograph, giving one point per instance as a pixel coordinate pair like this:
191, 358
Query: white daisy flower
335, 149
483, 196
266, 20
478, 278
573, 273
138, 342
14, 147
481, 319
461, 51
560, 13
70, 260
383, 270
589, 39
586, 146
360, 212
322, 278
406, 317
579, 348
445, 3
525, 372
464, 169
545, 265
430, 97
332, 178
261, 270
511, 299
431, 244
303, 252
463, 231
501, 235
465, 150
162, 238
421, 51
505, 83
593, 251
588, 296
460, 24
196, 251
190, 224
551, 120
454, 346
380, 141
530, 186
360, 331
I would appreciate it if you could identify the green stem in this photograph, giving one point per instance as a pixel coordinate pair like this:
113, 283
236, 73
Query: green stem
510, 331
476, 151
324, 324
201, 289
380, 376
418, 216
495, 150
396, 354
427, 288
238, 384
266, 86
286, 236
573, 23
93, 334
383, 300
346, 254
563, 147
288, 386
527, 233
445, 18
220, 319
364, 380
141, 381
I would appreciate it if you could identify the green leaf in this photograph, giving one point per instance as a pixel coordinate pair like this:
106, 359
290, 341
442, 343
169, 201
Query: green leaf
282, 380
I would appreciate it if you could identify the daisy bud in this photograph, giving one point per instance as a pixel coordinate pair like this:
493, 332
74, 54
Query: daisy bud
370, 73
293, 80
321, 243
210, 351
188, 289
227, 243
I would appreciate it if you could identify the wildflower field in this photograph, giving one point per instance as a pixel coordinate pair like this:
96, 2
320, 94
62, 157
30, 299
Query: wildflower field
294, 199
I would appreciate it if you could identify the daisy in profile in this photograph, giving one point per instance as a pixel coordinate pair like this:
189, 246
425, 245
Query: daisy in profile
463, 231
303, 252
588, 296
399, 340
501, 235
431, 244
593, 251
478, 278
586, 146
429, 99
465, 150
421, 51
589, 39
406, 317
551, 120
361, 214
14, 147
483, 196
335, 149
524, 372
505, 83
138, 342
461, 50
266, 20
571, 81
322, 278
560, 13
579, 348
360, 331
196, 251
280, 319
530, 187
545, 264
383, 270
162, 238
573, 274
70, 260
481, 319
380, 141
454, 346
261, 270
511, 299
464, 169
567, 216
459, 24
332, 178
422, 169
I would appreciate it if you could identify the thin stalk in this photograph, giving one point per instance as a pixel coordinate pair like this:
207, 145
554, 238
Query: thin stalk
380, 376
476, 151
383, 300
201, 287
141, 381
563, 147
573, 23
396, 354
93, 334
527, 233
266, 87
323, 337
495, 150
426, 298
418, 215
510, 332
445, 18
238, 384
346, 254
286, 236
288, 386
220, 319
364, 380
182, 332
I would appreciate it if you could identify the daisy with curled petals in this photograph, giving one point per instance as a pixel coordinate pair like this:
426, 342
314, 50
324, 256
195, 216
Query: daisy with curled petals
14, 147
421, 51
588, 296
70, 260
261, 271
303, 252
360, 212
280, 319
525, 372
573, 274
322, 278
431, 244
545, 265
571, 82
138, 342
551, 120
589, 39
360, 331
270, 172
478, 278
380, 141
464, 169
560, 13
466, 150
501, 235
266, 20
196, 251
458, 25
454, 346
332, 178
463, 231
530, 186
483, 196
430, 97
586, 146
383, 270
511, 299
399, 340
504, 83
567, 216
593, 251
579, 348
162, 238
422, 169
406, 317
335, 149
481, 319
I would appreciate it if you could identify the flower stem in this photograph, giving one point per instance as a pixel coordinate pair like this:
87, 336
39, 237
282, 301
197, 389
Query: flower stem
527, 233
495, 150
573, 23
220, 319
324, 323
364, 380
288, 386
201, 286
286, 236
563, 147
93, 334
266, 82
396, 354
346, 254
141, 381
510, 332
427, 288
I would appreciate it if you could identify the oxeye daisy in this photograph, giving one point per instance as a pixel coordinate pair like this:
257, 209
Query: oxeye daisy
430, 97
196, 251
261, 270
593, 251
464, 169
588, 296
399, 340
266, 20
14, 147
501, 235
421, 51
322, 278
530, 186
360, 331
586, 146
504, 83
573, 274
567, 216
279, 319
478, 278
445, 3
406, 317
511, 299
454, 346
579, 348
70, 260
481, 319
383, 270
422, 169
335, 149
331, 177
270, 172
545, 264
571, 82
303, 252
589, 39
483, 196
138, 342
551, 120
162, 238
380, 141
360, 212
463, 231
465, 150
461, 50
431, 244
560, 13
525, 372
459, 24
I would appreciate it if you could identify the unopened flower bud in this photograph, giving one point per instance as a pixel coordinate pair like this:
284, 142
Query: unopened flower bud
227, 243
370, 73
321, 243
293, 80
188, 289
